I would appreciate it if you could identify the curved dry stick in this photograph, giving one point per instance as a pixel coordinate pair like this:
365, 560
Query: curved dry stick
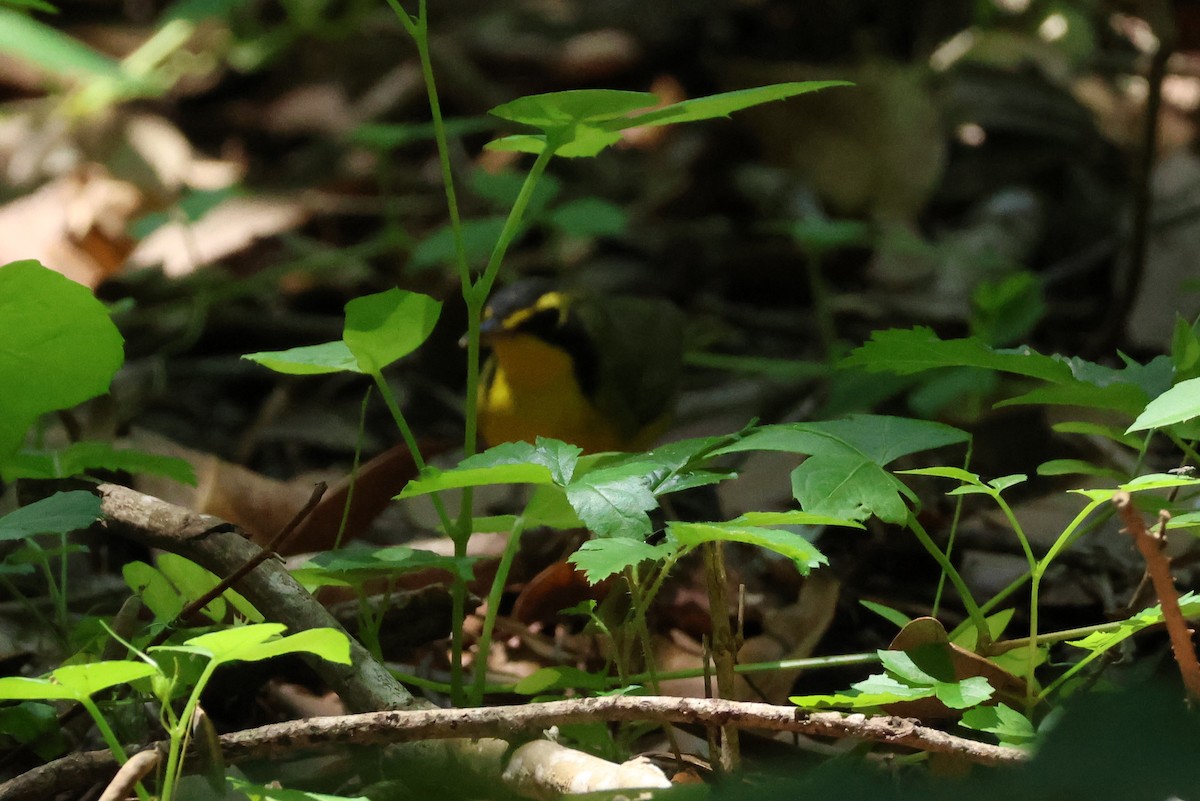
278, 740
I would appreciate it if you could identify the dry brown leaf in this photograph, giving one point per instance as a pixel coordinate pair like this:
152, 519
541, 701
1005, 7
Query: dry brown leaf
233, 226
74, 225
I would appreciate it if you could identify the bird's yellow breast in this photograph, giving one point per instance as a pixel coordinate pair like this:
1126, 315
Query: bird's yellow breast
531, 390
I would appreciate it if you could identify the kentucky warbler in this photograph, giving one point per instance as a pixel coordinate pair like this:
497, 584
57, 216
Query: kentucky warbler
598, 372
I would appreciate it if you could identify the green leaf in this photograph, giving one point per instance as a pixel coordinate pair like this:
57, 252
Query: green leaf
60, 346
599, 559
158, 594
793, 518
956, 473
359, 563
1185, 349
261, 792
964, 693
844, 476
916, 350
75, 681
1005, 311
193, 582
33, 5
81, 457
260, 641
589, 216
894, 616
558, 109
438, 248
613, 501
1099, 641
389, 136
560, 677
53, 51
546, 462
387, 326
60, 513
1154, 481
1113, 433
793, 546
1009, 725
328, 357
548, 506
724, 104
873, 691
1178, 404
1077, 467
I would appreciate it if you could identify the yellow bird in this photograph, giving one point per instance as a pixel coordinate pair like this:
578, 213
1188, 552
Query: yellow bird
598, 372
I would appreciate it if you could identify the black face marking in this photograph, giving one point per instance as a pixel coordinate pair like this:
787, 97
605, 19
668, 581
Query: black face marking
551, 325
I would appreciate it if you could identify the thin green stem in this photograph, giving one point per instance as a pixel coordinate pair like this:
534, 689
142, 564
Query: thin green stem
973, 611
638, 613
443, 147
179, 731
481, 288
358, 446
822, 310
809, 663
495, 595
110, 739
955, 520
389, 399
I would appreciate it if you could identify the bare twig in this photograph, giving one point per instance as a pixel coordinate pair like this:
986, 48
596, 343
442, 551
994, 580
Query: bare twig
1158, 566
233, 578
132, 772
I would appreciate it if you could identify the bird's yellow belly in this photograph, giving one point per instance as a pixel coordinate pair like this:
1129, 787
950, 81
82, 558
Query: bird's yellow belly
533, 392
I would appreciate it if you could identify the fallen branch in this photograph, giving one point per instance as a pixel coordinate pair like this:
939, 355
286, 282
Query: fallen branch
364, 685
280, 740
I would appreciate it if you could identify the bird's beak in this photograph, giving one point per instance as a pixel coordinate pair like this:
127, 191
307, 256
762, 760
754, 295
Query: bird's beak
487, 327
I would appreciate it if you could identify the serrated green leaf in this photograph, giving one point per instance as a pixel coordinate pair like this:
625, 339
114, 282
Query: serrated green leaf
387, 326
613, 501
1010, 726
916, 350
549, 461
62, 512
724, 104
793, 518
844, 476
599, 559
965, 693
328, 357
358, 563
793, 546
556, 109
